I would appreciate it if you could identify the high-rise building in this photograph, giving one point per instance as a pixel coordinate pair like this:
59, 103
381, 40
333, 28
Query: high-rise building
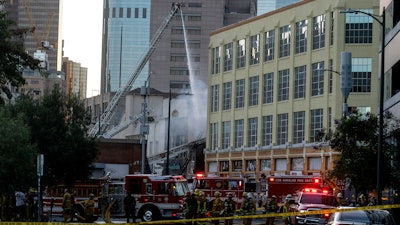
274, 86
129, 26
264, 6
75, 77
44, 17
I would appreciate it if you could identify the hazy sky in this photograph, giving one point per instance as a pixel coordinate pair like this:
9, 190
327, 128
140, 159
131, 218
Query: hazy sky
81, 31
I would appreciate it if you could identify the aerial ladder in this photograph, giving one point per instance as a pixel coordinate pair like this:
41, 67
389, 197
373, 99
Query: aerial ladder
109, 111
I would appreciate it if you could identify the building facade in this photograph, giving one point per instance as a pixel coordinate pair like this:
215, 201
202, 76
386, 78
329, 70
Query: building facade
264, 6
129, 26
44, 17
76, 78
274, 87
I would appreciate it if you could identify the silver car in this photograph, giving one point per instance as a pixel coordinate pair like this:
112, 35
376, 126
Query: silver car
362, 217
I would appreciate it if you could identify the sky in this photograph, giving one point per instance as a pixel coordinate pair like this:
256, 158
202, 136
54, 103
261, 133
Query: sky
81, 32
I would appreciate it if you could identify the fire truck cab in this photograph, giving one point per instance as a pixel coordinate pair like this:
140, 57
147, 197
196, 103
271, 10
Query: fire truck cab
157, 196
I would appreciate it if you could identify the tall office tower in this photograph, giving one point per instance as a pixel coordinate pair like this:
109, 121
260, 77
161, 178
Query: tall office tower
44, 16
264, 6
75, 77
130, 25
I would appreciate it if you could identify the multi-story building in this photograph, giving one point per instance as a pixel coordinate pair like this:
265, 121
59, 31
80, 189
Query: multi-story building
76, 78
44, 17
274, 86
392, 67
130, 25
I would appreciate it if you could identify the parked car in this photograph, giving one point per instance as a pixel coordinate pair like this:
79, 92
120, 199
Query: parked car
362, 217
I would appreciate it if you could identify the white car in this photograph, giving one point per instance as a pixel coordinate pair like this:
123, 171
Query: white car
362, 217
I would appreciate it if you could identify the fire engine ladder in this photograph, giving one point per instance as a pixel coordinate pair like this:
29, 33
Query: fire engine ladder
115, 130
106, 116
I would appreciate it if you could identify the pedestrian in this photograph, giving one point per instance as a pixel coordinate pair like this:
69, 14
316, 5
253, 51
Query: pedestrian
229, 209
191, 207
247, 208
20, 205
217, 207
89, 209
271, 206
130, 207
202, 204
66, 205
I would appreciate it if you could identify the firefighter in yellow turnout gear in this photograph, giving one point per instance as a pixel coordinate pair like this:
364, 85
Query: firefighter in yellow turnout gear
247, 208
218, 207
201, 207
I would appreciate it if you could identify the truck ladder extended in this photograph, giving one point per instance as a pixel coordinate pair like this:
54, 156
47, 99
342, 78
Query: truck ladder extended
107, 114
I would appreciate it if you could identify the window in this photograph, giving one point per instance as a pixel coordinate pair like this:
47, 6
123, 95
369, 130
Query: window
144, 12
301, 36
319, 32
255, 49
268, 88
284, 42
314, 163
332, 27
266, 130
241, 53
226, 134
252, 132
224, 168
283, 85
194, 4
250, 165
280, 164
361, 71
265, 164
228, 57
316, 124
239, 100
317, 79
298, 127
227, 98
177, 30
297, 164
358, 27
239, 129
330, 73
299, 82
136, 12
193, 31
113, 12
215, 98
282, 128
253, 91
128, 12
183, 71
237, 165
194, 17
178, 57
121, 12
214, 136
269, 45
216, 60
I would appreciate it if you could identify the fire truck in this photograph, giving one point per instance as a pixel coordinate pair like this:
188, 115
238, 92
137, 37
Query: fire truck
157, 196
281, 186
224, 185
53, 197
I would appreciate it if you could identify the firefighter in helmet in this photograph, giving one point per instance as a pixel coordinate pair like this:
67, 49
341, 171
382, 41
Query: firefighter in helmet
229, 209
202, 204
218, 207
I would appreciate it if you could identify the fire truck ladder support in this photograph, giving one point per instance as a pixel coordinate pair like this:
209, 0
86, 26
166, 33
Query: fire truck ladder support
106, 116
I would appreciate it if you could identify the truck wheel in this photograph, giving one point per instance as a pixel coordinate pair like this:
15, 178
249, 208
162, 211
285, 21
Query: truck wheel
149, 213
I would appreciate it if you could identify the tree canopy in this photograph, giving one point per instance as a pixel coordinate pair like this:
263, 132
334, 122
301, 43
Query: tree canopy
356, 137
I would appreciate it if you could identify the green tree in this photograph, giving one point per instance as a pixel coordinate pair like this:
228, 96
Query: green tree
356, 137
17, 154
13, 58
59, 128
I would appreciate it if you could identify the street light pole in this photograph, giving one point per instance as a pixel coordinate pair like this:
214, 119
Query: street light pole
381, 97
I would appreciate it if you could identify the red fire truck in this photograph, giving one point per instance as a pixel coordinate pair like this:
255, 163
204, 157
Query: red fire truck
224, 185
281, 186
53, 197
157, 196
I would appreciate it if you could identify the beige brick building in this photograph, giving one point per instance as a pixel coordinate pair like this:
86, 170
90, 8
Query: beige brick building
274, 85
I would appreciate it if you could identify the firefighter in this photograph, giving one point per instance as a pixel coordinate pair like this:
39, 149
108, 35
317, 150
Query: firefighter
89, 209
229, 209
201, 207
191, 207
67, 206
271, 207
247, 208
218, 207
